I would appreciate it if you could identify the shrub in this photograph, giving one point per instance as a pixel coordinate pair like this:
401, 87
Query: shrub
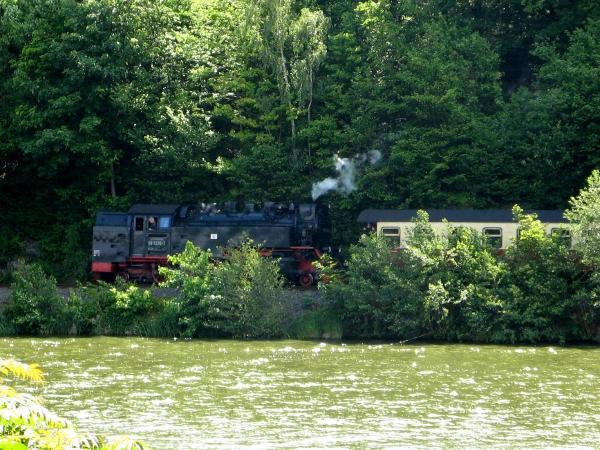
460, 281
584, 215
249, 289
123, 309
374, 298
240, 296
192, 274
452, 287
545, 286
35, 307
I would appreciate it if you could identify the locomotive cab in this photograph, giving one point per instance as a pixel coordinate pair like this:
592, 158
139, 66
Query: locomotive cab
151, 229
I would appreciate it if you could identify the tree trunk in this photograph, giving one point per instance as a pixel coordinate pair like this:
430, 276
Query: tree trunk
310, 99
288, 100
113, 189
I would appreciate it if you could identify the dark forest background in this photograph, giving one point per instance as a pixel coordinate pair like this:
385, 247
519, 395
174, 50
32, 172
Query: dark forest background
103, 103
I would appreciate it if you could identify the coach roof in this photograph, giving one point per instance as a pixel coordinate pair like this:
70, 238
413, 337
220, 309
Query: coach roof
457, 215
165, 208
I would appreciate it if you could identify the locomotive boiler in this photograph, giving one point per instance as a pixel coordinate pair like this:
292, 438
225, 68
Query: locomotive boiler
133, 244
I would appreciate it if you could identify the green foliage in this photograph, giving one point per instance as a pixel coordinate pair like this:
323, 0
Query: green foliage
110, 102
249, 289
460, 280
239, 296
319, 323
451, 286
584, 215
375, 300
126, 309
541, 298
122, 309
35, 307
192, 274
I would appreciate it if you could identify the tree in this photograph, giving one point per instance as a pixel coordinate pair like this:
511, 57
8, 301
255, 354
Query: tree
98, 110
584, 215
548, 135
294, 47
429, 112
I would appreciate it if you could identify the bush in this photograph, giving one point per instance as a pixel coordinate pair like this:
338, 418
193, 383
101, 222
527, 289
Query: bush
249, 289
452, 287
35, 307
459, 279
122, 309
544, 286
192, 274
240, 296
374, 298
584, 214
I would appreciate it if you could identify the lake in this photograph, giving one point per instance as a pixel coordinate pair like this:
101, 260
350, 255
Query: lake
294, 394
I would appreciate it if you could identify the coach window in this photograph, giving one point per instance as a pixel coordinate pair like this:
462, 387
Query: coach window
164, 222
493, 237
139, 224
562, 235
392, 234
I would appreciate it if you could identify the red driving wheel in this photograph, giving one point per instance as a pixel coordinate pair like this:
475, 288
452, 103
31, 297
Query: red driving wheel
123, 275
306, 279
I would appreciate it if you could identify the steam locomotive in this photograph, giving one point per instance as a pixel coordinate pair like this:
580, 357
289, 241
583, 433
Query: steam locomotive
132, 245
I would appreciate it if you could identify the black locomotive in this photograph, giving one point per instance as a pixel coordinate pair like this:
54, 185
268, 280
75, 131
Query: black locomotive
133, 244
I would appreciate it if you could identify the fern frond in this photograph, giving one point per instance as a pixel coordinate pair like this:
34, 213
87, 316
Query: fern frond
31, 372
124, 443
7, 391
25, 408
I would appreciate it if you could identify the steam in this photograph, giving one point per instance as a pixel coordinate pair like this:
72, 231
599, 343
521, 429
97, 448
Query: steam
346, 169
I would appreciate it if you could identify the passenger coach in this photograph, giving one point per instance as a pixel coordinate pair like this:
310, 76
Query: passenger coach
497, 225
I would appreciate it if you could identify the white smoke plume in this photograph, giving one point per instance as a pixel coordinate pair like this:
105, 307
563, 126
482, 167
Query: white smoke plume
345, 182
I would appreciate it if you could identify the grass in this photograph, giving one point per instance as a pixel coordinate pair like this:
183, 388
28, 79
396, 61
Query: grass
321, 323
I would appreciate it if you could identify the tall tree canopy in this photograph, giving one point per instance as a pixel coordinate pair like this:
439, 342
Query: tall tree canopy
108, 102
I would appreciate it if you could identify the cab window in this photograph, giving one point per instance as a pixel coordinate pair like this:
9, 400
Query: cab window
152, 223
164, 222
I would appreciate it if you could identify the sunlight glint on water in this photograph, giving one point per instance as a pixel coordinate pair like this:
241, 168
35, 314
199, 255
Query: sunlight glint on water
223, 394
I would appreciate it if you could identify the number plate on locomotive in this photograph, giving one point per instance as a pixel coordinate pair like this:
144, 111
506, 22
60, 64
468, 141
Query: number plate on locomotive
156, 243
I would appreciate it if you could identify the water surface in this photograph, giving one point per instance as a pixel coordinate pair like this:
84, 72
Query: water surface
291, 394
